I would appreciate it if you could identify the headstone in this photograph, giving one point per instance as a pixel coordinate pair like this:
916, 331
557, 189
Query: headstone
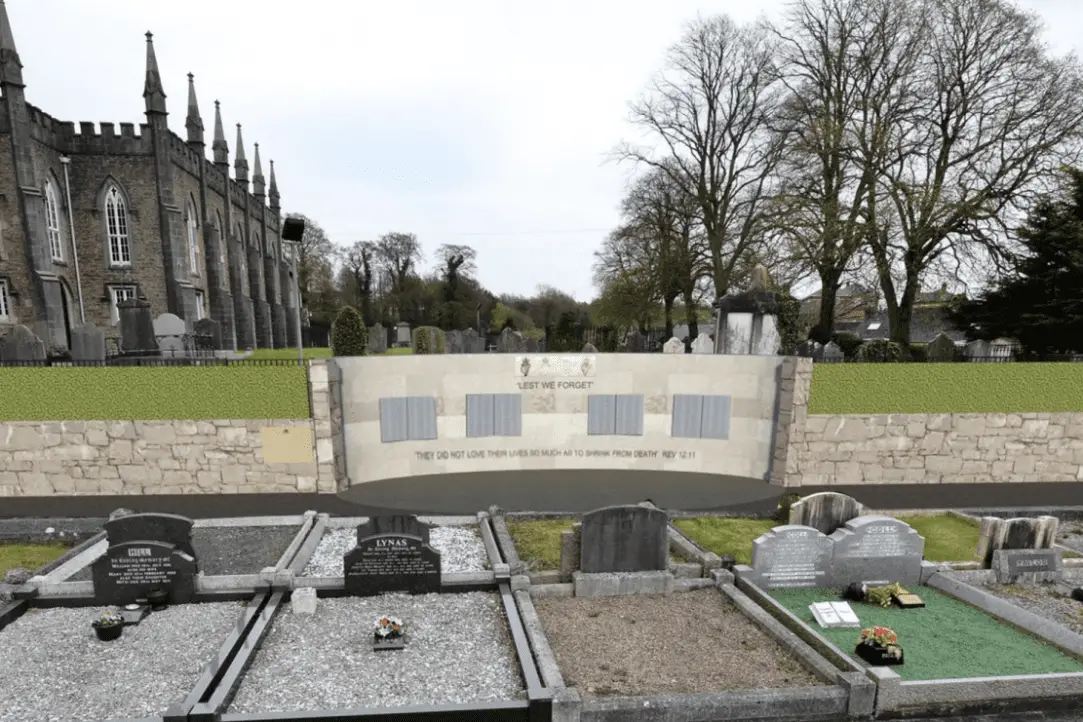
1027, 566
832, 352
703, 344
629, 538
673, 345
87, 343
303, 600
472, 342
391, 563
169, 331
394, 524
402, 337
136, 326
377, 342
941, 349
825, 511
453, 342
21, 344
589, 348
876, 548
530, 345
634, 342
791, 556
978, 350
211, 330
146, 553
1017, 533
510, 341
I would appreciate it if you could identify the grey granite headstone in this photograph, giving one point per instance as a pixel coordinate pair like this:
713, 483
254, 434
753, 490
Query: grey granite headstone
832, 352
792, 556
826, 511
87, 343
472, 342
136, 326
377, 341
624, 539
169, 331
673, 345
211, 330
1027, 566
402, 334
21, 344
635, 342
590, 348
510, 341
703, 344
393, 524
453, 342
530, 345
874, 549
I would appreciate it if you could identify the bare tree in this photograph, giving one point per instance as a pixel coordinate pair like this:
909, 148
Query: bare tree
400, 255
357, 266
709, 111
456, 262
994, 116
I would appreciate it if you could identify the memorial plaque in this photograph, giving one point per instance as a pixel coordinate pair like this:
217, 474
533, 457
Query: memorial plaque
877, 547
391, 563
624, 539
908, 600
791, 556
128, 571
169, 528
1027, 565
394, 524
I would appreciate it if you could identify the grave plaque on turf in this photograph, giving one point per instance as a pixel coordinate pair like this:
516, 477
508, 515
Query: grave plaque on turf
791, 556
394, 524
391, 563
877, 547
128, 571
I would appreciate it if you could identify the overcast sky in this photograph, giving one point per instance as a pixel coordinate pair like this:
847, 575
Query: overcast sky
482, 122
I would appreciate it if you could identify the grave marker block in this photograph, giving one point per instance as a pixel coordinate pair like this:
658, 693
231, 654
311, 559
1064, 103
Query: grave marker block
876, 547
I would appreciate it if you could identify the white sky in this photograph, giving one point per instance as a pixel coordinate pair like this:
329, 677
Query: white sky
474, 121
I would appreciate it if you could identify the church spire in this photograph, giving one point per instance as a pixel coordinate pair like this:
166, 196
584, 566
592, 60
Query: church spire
273, 192
11, 68
153, 93
258, 184
194, 124
221, 150
240, 164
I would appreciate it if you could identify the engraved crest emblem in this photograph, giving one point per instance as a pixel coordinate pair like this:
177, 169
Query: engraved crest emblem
525, 367
586, 366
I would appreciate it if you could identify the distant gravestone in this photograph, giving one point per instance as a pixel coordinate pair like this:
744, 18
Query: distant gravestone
941, 349
1017, 533
391, 563
589, 348
978, 350
673, 345
21, 344
146, 553
394, 524
402, 334
169, 331
453, 342
1027, 566
635, 342
832, 352
877, 548
472, 342
624, 539
377, 341
136, 326
530, 345
510, 341
87, 343
210, 330
703, 344
825, 511
792, 556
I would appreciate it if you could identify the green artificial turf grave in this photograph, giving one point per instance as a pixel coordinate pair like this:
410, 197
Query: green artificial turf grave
538, 542
947, 639
726, 534
947, 537
154, 392
944, 388
28, 556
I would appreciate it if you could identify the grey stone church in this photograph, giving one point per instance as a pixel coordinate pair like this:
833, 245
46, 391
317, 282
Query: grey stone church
89, 218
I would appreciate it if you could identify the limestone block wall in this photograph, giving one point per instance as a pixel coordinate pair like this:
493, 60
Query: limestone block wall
217, 456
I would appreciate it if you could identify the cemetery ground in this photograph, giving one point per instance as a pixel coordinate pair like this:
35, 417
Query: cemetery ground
947, 639
289, 354
24, 555
681, 643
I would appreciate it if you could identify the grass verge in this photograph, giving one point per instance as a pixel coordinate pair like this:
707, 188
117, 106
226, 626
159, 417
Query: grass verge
28, 556
538, 542
947, 537
312, 353
947, 639
725, 535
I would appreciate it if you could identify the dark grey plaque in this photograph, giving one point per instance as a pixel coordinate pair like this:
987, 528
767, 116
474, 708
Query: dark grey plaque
1027, 565
129, 571
791, 556
391, 563
624, 539
169, 528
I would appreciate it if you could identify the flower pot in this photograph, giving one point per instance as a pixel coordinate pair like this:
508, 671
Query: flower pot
108, 633
158, 600
380, 644
877, 655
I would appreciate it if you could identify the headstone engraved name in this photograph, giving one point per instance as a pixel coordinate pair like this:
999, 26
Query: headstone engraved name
146, 553
877, 548
1014, 566
792, 556
391, 563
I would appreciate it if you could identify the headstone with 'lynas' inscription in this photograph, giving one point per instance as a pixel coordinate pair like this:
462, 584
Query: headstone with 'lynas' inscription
146, 553
392, 555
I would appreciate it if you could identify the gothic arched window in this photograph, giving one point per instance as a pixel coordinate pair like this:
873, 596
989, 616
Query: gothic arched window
192, 226
116, 228
52, 222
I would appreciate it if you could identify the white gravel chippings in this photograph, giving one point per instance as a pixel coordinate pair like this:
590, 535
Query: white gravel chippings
458, 651
460, 547
54, 668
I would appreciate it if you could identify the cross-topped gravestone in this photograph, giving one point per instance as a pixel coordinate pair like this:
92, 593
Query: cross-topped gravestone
792, 556
392, 561
628, 538
146, 553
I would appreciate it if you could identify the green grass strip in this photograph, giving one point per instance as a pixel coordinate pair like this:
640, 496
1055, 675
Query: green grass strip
948, 639
28, 556
945, 388
153, 393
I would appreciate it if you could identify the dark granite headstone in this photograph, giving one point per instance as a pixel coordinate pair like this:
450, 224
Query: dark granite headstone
1016, 533
624, 539
136, 326
87, 343
394, 524
472, 342
792, 556
1014, 566
21, 344
211, 330
391, 563
167, 528
130, 570
877, 548
826, 511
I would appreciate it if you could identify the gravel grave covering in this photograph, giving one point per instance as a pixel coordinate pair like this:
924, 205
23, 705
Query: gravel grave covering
679, 643
458, 651
56, 670
1070, 534
1043, 600
231, 549
460, 547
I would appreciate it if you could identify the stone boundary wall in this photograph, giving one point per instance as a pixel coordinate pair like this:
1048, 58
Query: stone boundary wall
220, 456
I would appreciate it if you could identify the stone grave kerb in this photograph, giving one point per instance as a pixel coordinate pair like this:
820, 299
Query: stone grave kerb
790, 556
876, 548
